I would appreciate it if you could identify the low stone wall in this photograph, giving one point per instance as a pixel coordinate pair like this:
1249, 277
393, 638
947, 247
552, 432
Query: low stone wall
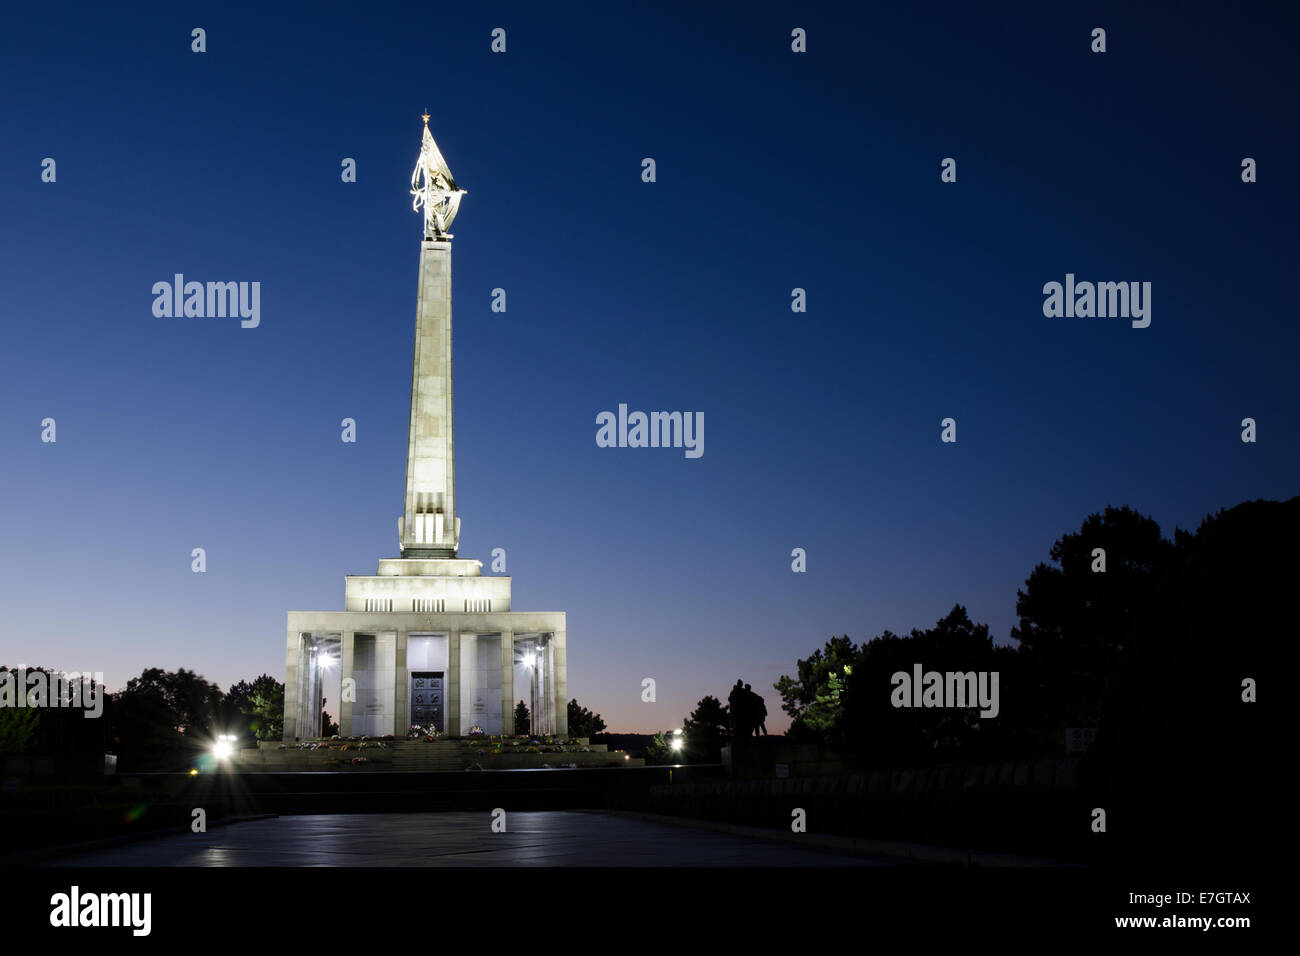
1058, 773
760, 757
542, 761
90, 765
470, 742
1037, 808
416, 755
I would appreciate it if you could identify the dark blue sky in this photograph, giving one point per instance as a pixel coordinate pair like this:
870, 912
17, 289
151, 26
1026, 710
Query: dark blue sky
775, 171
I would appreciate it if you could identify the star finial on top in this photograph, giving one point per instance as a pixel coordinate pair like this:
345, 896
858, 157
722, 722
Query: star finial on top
425, 115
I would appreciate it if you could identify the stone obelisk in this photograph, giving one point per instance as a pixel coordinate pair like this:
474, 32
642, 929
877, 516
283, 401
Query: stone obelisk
429, 527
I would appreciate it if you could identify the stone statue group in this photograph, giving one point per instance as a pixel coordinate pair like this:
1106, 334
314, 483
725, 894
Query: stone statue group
748, 711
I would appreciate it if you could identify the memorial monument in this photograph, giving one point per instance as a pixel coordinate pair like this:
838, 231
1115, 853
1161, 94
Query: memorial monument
428, 640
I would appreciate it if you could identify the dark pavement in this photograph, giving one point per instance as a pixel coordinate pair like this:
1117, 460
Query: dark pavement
548, 838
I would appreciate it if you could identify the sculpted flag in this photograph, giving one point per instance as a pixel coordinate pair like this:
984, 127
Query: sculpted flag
434, 188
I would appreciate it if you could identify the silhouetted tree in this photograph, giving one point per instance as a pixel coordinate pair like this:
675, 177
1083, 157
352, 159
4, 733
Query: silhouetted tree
843, 695
707, 729
813, 698
256, 710
163, 718
582, 722
1076, 622
881, 733
328, 728
659, 751
523, 723
19, 730
1174, 720
49, 730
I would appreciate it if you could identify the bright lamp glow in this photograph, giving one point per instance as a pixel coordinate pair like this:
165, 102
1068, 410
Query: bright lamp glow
677, 743
530, 659
224, 747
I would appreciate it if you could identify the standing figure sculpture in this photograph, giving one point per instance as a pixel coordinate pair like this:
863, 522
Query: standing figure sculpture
758, 711
739, 706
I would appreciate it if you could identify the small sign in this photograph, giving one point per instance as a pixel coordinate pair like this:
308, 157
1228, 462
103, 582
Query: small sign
782, 771
1079, 739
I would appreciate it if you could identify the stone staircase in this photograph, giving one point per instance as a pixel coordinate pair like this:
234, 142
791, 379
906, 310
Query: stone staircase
425, 756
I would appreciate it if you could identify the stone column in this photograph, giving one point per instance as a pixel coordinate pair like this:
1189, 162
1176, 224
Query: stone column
401, 686
345, 675
560, 681
308, 691
469, 690
451, 684
429, 525
293, 650
315, 693
536, 702
507, 682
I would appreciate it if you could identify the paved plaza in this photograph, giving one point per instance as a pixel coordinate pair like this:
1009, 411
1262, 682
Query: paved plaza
551, 838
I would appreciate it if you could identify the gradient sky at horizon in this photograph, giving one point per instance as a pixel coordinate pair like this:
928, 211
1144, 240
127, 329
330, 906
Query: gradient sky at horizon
775, 171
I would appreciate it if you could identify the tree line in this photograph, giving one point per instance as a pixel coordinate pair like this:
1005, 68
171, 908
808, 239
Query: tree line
1153, 642
161, 720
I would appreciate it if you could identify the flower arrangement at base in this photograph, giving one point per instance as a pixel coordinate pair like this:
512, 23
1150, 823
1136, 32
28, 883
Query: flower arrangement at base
360, 760
475, 731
